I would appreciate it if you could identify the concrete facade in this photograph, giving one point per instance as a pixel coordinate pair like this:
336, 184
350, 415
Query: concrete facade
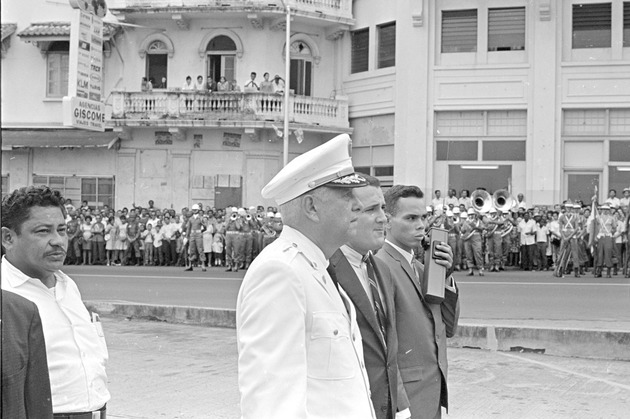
548, 120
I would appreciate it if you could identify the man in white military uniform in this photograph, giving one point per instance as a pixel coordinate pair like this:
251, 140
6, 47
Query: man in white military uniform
300, 348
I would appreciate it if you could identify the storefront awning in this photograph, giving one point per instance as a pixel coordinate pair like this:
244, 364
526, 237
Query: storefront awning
8, 29
56, 31
56, 138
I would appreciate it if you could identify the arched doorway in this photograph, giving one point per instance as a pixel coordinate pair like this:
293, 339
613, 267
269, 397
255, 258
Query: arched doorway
221, 51
301, 68
157, 64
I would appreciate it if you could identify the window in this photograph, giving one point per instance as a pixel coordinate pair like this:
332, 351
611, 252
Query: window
301, 68
221, 58
360, 50
459, 31
620, 151
57, 66
97, 191
386, 45
384, 171
506, 29
157, 64
626, 24
592, 25
5, 185
456, 150
618, 180
504, 150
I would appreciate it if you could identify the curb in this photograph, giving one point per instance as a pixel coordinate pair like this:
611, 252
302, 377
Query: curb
565, 342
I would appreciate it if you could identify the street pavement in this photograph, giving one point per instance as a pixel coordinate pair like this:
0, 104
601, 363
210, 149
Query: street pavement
506, 298
175, 371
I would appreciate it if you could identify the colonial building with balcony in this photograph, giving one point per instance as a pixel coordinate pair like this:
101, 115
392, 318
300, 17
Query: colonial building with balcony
174, 144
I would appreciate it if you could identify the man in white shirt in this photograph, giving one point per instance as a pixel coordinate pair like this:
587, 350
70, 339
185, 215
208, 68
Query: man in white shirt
438, 202
612, 199
625, 201
35, 240
527, 228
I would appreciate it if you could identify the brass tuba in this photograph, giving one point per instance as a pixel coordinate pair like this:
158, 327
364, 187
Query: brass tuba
481, 201
502, 200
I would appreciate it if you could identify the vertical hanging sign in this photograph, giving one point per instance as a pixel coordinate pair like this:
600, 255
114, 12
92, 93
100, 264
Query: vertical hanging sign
83, 107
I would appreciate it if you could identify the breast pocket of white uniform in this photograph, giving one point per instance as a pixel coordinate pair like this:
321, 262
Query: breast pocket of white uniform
330, 352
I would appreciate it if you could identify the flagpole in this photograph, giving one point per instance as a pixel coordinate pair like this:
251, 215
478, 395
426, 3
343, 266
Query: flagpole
287, 84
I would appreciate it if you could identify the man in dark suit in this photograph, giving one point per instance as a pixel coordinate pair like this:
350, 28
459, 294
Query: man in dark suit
25, 381
368, 283
422, 327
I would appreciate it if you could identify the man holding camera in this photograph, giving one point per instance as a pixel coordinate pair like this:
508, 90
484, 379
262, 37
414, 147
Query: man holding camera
422, 327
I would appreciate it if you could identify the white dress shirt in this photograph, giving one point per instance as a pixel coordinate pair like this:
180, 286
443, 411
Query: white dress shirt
75, 345
450, 284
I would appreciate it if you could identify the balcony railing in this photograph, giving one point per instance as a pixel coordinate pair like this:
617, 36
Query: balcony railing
342, 8
231, 106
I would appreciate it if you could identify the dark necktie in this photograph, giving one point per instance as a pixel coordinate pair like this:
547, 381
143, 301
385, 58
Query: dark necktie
376, 297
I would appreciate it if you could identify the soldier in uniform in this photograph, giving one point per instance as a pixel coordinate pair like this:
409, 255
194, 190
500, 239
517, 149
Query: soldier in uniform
493, 239
471, 232
194, 232
234, 242
506, 227
452, 224
571, 227
74, 244
607, 225
250, 227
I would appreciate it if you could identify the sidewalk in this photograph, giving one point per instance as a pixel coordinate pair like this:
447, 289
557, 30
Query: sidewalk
585, 339
176, 371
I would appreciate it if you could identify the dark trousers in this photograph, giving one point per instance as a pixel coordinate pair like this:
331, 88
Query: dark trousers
166, 251
541, 253
98, 252
528, 254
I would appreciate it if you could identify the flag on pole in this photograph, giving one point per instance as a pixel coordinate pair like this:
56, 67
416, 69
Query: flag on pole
278, 131
299, 135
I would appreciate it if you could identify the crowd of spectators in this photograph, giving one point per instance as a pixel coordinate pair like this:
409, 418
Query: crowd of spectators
521, 237
150, 236
530, 237
276, 85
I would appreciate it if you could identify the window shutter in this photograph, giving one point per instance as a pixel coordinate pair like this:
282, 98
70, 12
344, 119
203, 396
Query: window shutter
506, 29
360, 50
387, 45
459, 30
592, 25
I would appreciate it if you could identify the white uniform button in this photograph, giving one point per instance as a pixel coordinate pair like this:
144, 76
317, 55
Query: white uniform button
335, 332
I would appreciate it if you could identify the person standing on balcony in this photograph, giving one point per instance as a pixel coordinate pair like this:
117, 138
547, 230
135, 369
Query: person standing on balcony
251, 84
234, 86
223, 85
266, 86
188, 87
278, 84
210, 85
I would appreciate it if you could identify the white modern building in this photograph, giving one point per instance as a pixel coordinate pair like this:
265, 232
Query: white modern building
528, 94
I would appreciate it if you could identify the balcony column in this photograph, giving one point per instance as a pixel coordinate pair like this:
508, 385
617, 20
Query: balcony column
172, 104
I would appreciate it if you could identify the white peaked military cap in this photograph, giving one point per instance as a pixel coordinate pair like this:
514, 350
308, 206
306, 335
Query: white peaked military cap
471, 211
492, 211
605, 206
195, 207
233, 209
429, 208
241, 211
270, 215
449, 213
456, 210
328, 164
278, 216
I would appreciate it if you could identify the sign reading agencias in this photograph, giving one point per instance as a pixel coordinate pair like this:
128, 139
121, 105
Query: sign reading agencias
83, 107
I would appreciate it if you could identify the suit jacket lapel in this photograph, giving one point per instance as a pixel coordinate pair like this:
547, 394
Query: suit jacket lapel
352, 285
405, 266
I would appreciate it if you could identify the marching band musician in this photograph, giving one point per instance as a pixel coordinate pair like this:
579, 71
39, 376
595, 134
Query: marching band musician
571, 226
471, 232
452, 225
607, 228
234, 242
493, 239
268, 230
250, 225
507, 225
